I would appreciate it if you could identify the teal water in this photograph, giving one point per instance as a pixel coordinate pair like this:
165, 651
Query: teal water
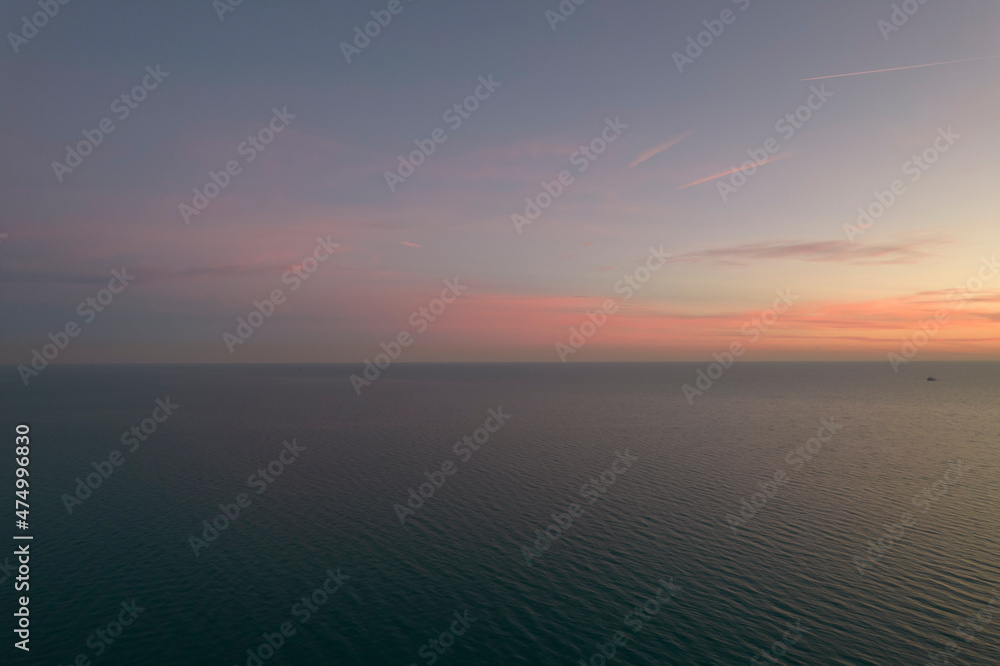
658, 537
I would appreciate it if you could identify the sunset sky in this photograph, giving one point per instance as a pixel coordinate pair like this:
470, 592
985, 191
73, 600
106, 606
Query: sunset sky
324, 176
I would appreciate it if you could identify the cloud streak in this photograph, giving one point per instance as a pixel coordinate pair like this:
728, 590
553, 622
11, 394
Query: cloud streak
896, 69
907, 252
737, 170
146, 275
657, 149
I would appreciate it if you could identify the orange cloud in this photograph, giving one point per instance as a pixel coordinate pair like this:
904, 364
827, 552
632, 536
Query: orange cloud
530, 326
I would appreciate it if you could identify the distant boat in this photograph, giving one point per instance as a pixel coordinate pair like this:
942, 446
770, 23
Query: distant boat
932, 379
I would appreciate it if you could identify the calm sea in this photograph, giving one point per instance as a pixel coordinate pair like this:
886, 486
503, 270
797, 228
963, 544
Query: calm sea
869, 534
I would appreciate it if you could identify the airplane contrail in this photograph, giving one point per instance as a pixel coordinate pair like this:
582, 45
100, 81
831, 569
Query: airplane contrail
896, 69
769, 160
656, 150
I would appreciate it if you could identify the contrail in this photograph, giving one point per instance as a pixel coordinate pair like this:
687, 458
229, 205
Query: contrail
736, 170
896, 69
656, 150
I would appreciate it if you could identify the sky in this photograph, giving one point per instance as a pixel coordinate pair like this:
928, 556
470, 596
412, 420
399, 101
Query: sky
609, 115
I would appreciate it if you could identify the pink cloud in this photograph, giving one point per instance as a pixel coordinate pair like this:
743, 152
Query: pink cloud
659, 148
729, 172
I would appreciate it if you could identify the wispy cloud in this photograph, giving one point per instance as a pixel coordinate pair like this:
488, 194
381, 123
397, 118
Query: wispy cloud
411, 244
737, 170
147, 275
656, 150
642, 329
906, 252
896, 69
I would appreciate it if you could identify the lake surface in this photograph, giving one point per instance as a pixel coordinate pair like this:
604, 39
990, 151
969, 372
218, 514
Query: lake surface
654, 548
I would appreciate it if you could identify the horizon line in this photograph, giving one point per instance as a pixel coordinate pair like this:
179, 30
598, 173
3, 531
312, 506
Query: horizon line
395, 363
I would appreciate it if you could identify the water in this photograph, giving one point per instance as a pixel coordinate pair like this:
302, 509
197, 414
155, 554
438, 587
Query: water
731, 593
